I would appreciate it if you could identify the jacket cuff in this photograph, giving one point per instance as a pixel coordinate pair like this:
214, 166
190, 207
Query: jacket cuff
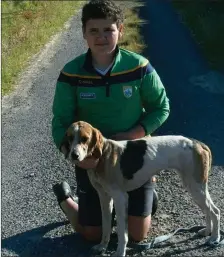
145, 128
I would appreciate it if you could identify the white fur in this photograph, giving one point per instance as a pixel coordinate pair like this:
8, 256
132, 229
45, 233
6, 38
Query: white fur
163, 152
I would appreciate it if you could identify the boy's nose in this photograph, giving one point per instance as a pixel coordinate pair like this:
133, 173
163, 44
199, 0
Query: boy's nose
102, 34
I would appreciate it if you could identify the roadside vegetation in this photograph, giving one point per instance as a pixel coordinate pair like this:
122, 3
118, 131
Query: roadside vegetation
205, 19
28, 25
132, 39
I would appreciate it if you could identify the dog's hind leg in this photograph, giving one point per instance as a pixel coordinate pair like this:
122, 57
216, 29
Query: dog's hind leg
201, 196
214, 213
195, 178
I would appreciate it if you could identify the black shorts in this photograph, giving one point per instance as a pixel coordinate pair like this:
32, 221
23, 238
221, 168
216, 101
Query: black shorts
139, 203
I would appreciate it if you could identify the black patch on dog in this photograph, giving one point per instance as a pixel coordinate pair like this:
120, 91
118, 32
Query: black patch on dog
132, 158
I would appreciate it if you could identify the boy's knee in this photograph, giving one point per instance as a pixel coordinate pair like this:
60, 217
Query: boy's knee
138, 227
92, 234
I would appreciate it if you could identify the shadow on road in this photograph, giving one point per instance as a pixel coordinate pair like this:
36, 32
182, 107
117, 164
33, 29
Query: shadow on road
34, 243
196, 112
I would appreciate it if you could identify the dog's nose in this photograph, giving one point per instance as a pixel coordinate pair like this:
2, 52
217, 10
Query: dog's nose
75, 156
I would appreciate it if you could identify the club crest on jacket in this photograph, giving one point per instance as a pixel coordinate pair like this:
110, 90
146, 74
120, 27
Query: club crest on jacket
127, 90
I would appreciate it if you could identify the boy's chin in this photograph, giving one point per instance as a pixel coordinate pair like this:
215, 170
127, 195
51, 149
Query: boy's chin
104, 51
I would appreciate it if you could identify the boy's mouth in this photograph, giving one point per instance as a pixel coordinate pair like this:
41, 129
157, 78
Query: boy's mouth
101, 44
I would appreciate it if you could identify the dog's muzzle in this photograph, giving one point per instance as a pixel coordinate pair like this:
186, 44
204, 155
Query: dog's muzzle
75, 156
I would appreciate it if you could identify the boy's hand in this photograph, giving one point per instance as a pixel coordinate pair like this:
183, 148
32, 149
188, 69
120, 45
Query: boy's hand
88, 163
135, 133
121, 136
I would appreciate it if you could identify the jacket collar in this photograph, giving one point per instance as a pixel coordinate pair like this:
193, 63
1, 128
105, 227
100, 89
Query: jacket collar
88, 64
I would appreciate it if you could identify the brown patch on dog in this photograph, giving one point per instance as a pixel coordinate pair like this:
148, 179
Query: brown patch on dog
114, 157
91, 137
97, 142
111, 154
85, 134
70, 131
203, 158
110, 158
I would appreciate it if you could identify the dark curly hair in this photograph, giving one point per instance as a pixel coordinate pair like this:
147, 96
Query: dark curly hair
102, 9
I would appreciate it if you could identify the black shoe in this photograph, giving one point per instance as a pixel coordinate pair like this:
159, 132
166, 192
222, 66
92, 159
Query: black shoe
155, 202
62, 191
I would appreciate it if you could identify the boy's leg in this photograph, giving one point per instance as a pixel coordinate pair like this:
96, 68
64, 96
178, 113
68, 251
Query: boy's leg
141, 206
84, 216
71, 210
66, 202
89, 215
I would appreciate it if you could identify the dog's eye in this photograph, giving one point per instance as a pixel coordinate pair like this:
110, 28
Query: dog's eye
69, 139
84, 139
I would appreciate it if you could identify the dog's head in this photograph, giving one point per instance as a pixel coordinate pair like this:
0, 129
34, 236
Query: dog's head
81, 141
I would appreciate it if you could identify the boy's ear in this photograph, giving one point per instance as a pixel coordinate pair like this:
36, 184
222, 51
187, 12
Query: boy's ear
83, 32
121, 29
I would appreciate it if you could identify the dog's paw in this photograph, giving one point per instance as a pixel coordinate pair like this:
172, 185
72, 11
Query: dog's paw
118, 254
98, 249
204, 232
213, 241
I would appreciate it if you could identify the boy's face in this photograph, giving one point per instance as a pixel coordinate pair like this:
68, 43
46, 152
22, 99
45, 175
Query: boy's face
102, 35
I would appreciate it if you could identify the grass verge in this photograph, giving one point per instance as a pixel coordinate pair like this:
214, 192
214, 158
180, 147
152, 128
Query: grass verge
28, 25
132, 39
205, 19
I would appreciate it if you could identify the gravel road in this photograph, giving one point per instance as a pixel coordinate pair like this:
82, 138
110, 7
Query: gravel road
32, 223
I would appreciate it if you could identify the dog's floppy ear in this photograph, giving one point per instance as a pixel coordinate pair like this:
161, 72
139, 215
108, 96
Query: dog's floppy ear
65, 146
97, 141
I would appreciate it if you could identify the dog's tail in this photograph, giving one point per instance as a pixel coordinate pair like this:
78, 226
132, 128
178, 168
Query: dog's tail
203, 159
207, 149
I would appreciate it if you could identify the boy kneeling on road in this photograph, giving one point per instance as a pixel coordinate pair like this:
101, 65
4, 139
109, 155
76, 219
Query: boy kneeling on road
118, 92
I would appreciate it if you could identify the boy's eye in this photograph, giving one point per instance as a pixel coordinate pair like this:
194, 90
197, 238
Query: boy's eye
108, 29
93, 30
70, 139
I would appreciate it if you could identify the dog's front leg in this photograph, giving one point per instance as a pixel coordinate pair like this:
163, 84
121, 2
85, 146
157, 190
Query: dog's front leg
106, 204
121, 207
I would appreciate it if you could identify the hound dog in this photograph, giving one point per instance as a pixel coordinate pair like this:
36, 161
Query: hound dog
126, 165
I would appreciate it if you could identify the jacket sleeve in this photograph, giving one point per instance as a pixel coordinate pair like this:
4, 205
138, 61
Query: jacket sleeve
64, 108
154, 100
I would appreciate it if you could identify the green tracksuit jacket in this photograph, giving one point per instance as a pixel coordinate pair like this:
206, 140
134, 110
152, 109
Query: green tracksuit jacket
131, 93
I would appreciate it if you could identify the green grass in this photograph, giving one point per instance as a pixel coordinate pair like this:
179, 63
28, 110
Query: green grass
26, 27
205, 19
132, 39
